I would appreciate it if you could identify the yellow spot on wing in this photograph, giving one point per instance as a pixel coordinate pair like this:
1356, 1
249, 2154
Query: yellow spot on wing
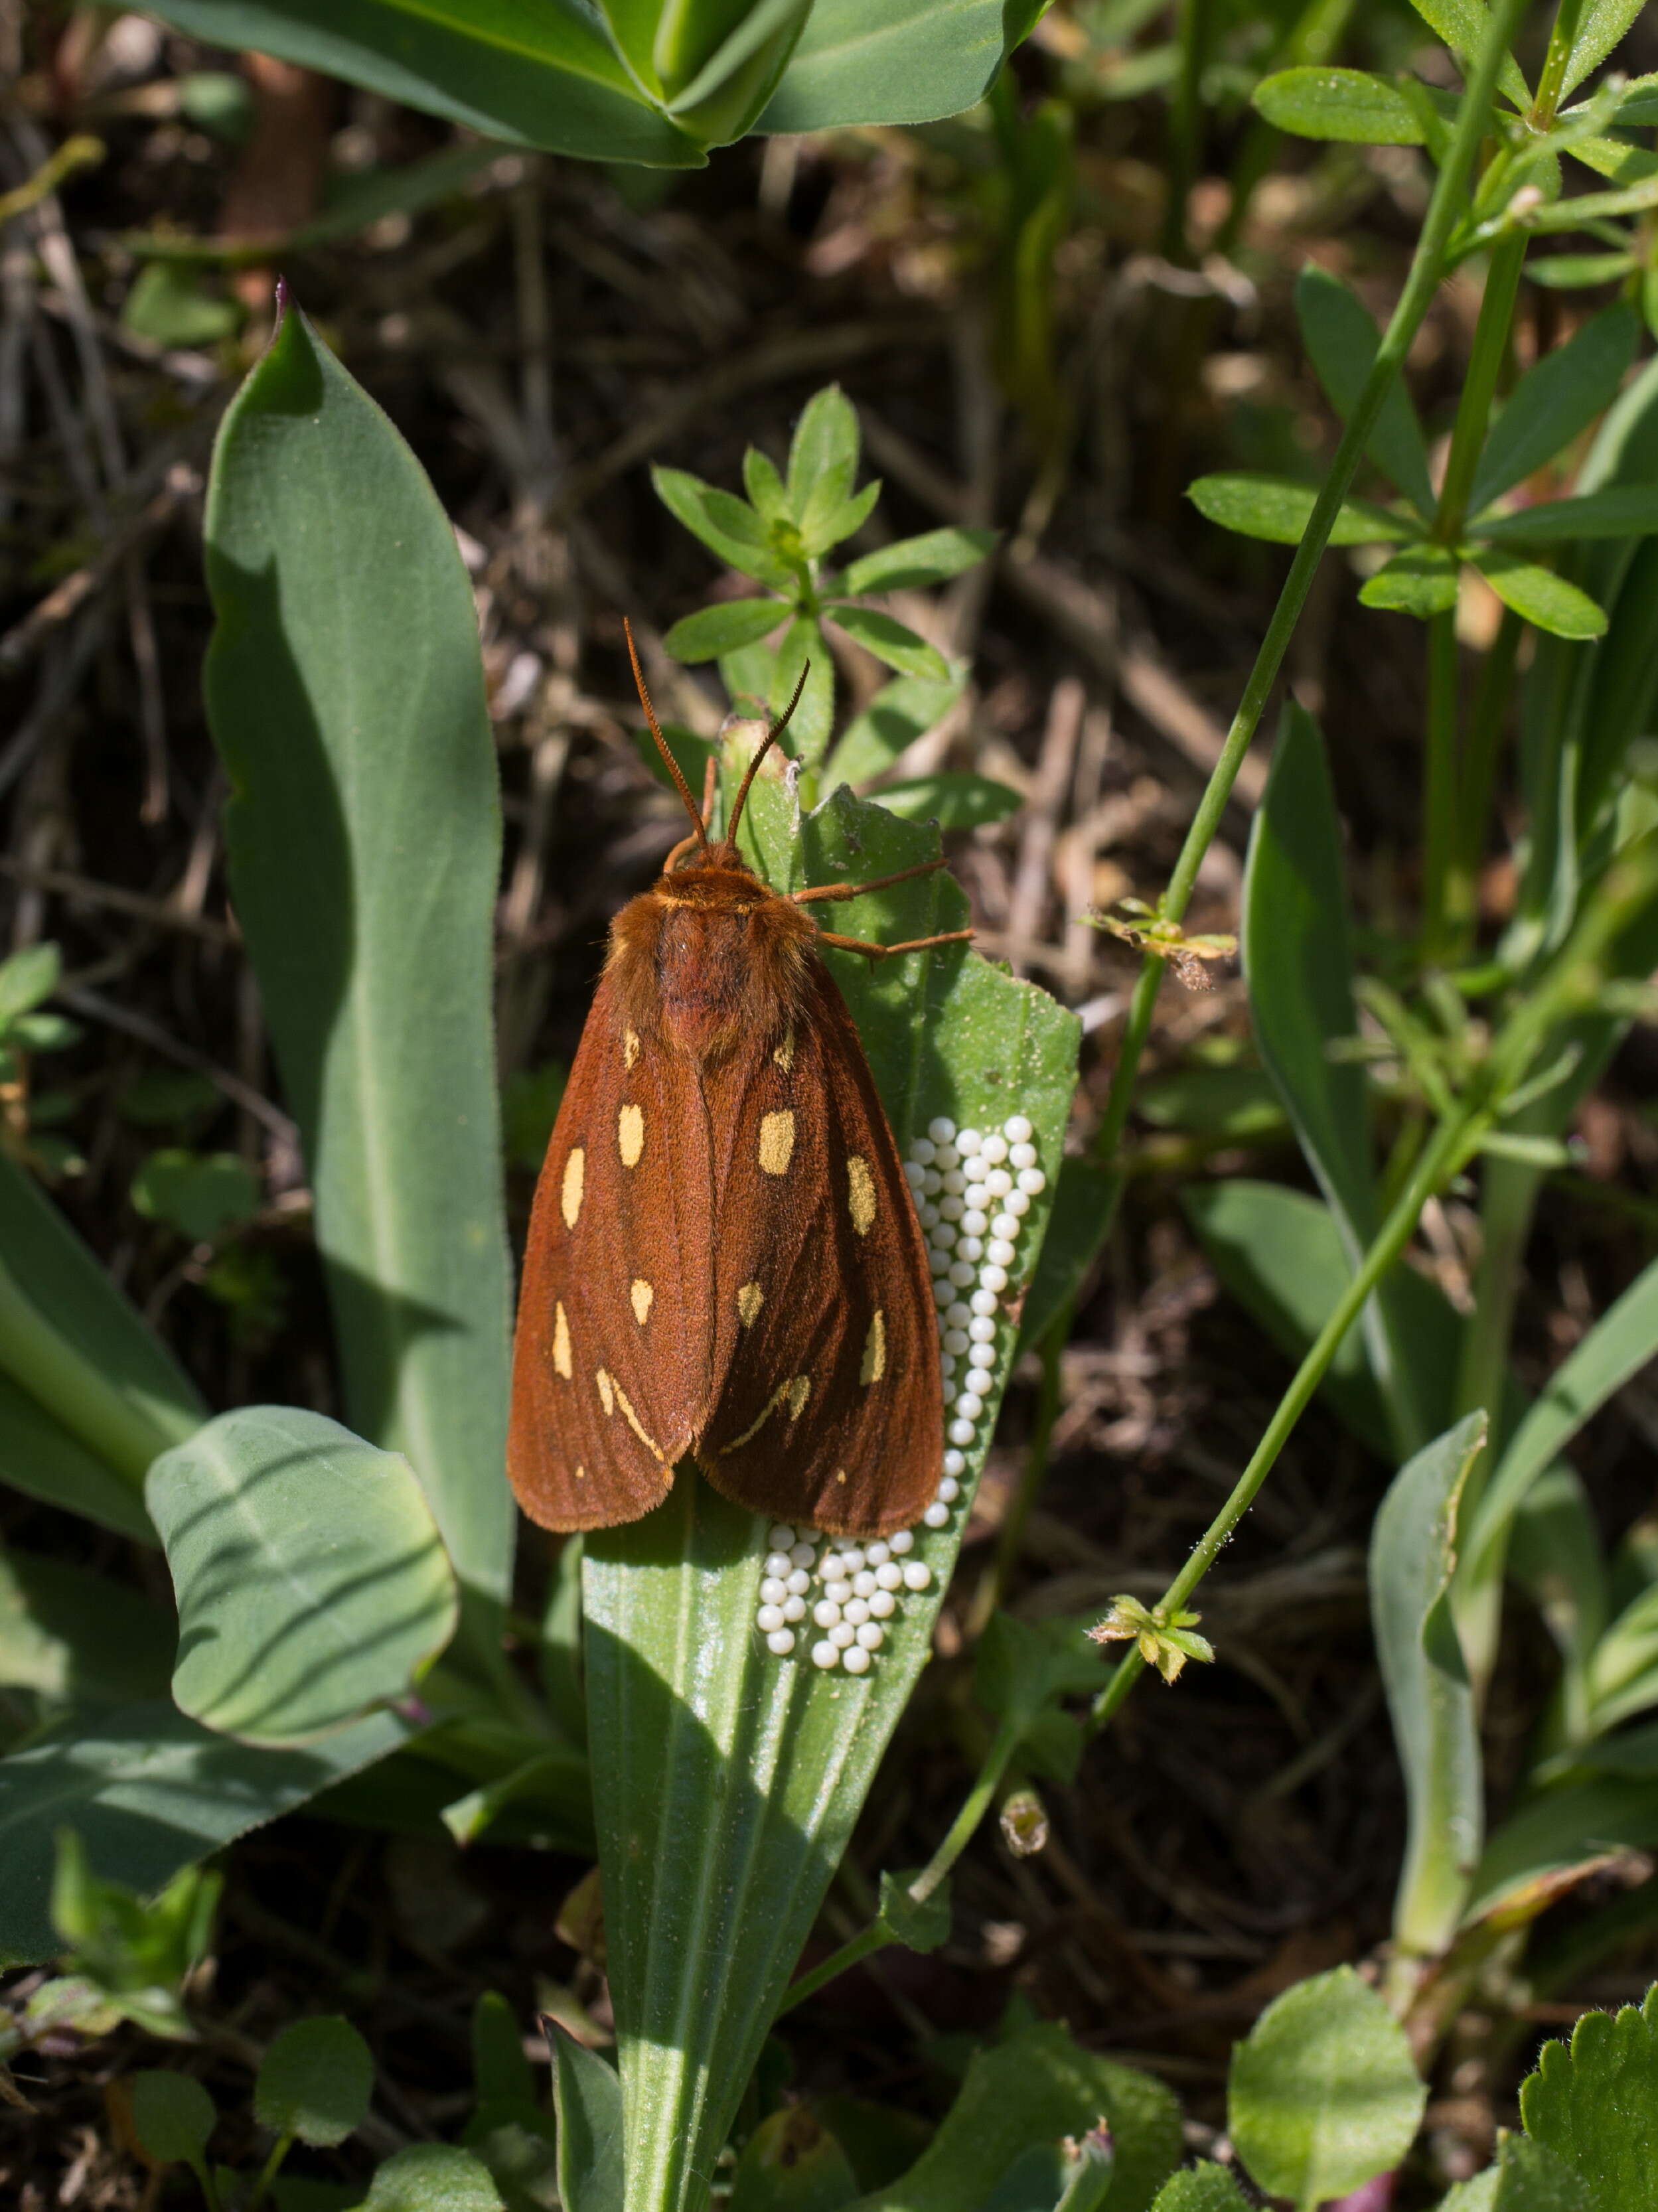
784, 1054
793, 1393
749, 1299
581, 1475
570, 1196
630, 1134
860, 1193
875, 1350
776, 1141
799, 1391
606, 1392
561, 1343
641, 1294
629, 1046
635, 1425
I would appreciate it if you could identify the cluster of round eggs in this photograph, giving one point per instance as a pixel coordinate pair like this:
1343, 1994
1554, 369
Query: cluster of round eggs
973, 1190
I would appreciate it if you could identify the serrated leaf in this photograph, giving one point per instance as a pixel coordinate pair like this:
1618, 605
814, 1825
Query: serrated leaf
915, 562
314, 2081
1555, 399
725, 524
889, 641
725, 628
1341, 337
1539, 595
1278, 510
1323, 2093
1594, 2104
1348, 107
1421, 581
310, 1579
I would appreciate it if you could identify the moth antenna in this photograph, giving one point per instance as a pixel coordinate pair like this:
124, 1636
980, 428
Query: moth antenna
760, 752
671, 764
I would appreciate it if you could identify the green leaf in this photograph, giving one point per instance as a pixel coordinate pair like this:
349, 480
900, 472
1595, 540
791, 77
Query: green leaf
915, 562
907, 61
75, 1637
1023, 1666
1555, 399
148, 1792
1022, 2094
1420, 581
1554, 1555
768, 494
345, 691
713, 630
1083, 1206
542, 76
588, 2099
1566, 1827
1575, 272
1600, 27
1592, 2104
1232, 1105
173, 303
725, 524
1462, 25
1414, 1554
43, 1460
431, 2177
1620, 511
502, 2074
1341, 337
314, 2081
900, 712
1348, 106
1298, 964
1523, 2178
824, 445
200, 1194
727, 1780
1585, 211
1323, 2093
920, 1926
828, 520
1278, 510
28, 978
310, 1579
889, 641
172, 2116
1202, 2188
952, 799
791, 2163
804, 651
1539, 595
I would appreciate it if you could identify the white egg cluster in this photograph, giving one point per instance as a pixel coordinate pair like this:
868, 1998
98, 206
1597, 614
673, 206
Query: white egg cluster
973, 1190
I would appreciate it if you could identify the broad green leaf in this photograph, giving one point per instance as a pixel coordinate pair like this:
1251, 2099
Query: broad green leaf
310, 1579
1555, 399
1024, 2094
1620, 511
588, 2099
149, 1792
1297, 963
952, 799
725, 524
1525, 2176
907, 61
1204, 2187
1462, 25
432, 2177
1540, 596
1414, 1554
791, 2163
1342, 337
1600, 27
1420, 581
346, 695
1615, 1350
201, 1194
824, 444
92, 1383
172, 2116
1323, 2093
914, 562
805, 652
889, 641
1594, 2104
726, 1779
544, 76
900, 712
314, 2081
716, 91
73, 1636
713, 630
1348, 106
1278, 509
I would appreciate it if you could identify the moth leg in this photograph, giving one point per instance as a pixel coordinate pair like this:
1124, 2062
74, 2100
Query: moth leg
857, 891
887, 951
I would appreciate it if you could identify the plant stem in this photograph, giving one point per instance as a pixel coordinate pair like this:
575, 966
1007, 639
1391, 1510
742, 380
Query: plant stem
1474, 408
1185, 124
1490, 708
1441, 824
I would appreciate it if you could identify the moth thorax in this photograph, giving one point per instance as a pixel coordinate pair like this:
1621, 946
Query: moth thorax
711, 962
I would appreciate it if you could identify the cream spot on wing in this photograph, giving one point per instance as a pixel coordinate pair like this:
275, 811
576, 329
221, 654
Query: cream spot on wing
839, 1474
860, 1193
784, 1054
606, 1392
637, 1425
629, 1046
799, 1391
630, 1134
749, 1299
575, 1169
793, 1393
581, 1475
875, 1350
641, 1294
561, 1343
776, 1141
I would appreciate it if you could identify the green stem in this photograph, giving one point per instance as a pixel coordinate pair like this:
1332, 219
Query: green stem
268, 2171
1185, 124
1422, 280
1491, 709
1451, 1143
1441, 829
1474, 408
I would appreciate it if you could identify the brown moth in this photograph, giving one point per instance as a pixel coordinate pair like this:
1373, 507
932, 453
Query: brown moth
724, 1259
